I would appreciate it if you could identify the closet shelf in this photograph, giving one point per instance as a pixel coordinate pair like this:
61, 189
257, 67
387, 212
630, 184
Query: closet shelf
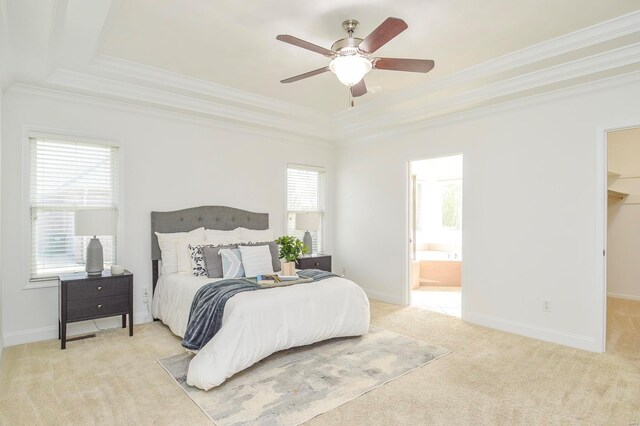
613, 174
612, 193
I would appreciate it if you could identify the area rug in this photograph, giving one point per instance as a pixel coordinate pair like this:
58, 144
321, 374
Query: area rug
293, 386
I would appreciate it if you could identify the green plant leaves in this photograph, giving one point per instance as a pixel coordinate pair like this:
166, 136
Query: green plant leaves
291, 248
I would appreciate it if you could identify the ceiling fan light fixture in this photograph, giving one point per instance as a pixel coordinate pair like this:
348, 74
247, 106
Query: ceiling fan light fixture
350, 69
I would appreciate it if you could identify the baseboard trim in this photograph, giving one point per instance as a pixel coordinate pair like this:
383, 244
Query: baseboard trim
383, 297
12, 338
624, 296
545, 334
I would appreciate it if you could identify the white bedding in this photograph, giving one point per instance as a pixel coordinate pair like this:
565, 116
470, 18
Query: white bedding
172, 299
258, 323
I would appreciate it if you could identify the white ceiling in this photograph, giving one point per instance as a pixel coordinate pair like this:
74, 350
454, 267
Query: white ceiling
232, 43
219, 61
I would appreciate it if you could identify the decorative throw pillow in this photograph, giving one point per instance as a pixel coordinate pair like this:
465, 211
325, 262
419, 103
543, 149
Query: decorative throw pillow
185, 257
275, 253
256, 260
197, 260
213, 260
231, 263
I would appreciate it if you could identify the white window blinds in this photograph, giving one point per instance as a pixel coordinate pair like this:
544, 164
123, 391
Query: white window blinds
305, 193
64, 177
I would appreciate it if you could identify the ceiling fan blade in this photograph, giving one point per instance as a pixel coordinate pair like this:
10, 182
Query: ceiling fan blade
306, 45
305, 75
399, 64
390, 28
359, 89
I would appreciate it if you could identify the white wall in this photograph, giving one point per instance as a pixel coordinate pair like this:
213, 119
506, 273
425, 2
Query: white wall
168, 164
531, 226
623, 268
1, 204
531, 229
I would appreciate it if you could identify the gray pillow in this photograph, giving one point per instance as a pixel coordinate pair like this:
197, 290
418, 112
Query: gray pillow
275, 253
213, 260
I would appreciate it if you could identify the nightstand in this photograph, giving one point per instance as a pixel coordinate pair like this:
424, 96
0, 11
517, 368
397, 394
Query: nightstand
84, 297
315, 261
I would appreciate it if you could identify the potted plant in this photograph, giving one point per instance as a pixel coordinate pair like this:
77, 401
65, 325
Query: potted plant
291, 249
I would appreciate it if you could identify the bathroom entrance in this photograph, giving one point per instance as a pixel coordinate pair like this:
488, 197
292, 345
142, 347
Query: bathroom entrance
436, 234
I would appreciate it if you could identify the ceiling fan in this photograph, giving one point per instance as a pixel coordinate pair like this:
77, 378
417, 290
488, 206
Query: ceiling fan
351, 57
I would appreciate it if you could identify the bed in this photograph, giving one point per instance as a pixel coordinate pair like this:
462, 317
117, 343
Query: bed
255, 324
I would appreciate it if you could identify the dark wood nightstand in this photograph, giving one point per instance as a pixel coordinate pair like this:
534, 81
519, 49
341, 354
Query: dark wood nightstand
86, 297
315, 261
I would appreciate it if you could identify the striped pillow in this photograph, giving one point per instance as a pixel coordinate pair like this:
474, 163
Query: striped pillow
256, 260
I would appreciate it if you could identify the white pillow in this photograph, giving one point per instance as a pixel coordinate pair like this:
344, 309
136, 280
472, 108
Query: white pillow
214, 236
168, 247
256, 236
256, 260
185, 263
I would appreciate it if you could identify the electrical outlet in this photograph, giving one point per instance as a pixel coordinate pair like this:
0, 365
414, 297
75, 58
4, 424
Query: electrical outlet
546, 306
145, 292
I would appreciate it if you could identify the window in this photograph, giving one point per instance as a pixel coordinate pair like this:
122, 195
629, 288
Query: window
64, 177
305, 193
452, 204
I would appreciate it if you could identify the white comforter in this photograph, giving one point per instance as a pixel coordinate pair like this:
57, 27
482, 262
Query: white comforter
259, 323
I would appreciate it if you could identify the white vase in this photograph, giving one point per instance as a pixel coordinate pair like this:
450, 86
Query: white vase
288, 268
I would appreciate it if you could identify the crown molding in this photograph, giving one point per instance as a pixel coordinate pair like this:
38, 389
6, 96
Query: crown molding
66, 95
541, 80
82, 83
586, 37
150, 88
178, 83
56, 31
623, 80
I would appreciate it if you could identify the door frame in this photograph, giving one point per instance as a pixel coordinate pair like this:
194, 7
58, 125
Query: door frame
602, 167
408, 203
406, 292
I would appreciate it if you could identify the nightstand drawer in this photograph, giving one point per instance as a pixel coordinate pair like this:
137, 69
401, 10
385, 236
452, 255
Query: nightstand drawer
97, 307
97, 288
318, 262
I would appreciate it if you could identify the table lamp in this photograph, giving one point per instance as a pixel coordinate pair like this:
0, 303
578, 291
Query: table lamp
92, 223
308, 222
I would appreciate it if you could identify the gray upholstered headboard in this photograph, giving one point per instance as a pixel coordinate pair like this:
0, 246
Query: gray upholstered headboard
210, 217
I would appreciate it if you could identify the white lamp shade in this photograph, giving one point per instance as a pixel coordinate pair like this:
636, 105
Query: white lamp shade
96, 222
307, 221
350, 69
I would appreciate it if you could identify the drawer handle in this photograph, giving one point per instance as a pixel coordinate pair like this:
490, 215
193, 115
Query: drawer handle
99, 288
99, 306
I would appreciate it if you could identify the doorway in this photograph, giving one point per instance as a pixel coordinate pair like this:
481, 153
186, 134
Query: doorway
435, 222
623, 241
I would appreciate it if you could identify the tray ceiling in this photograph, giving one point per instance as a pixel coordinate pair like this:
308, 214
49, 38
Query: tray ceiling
233, 44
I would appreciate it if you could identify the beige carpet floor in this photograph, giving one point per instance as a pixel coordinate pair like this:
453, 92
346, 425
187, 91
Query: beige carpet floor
490, 378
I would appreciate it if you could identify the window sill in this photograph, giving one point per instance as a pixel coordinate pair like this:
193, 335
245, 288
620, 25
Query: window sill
41, 284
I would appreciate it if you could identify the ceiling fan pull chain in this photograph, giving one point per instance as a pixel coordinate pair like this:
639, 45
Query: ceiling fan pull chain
351, 103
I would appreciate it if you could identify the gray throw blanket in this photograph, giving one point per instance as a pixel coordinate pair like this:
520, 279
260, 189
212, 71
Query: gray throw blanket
207, 308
